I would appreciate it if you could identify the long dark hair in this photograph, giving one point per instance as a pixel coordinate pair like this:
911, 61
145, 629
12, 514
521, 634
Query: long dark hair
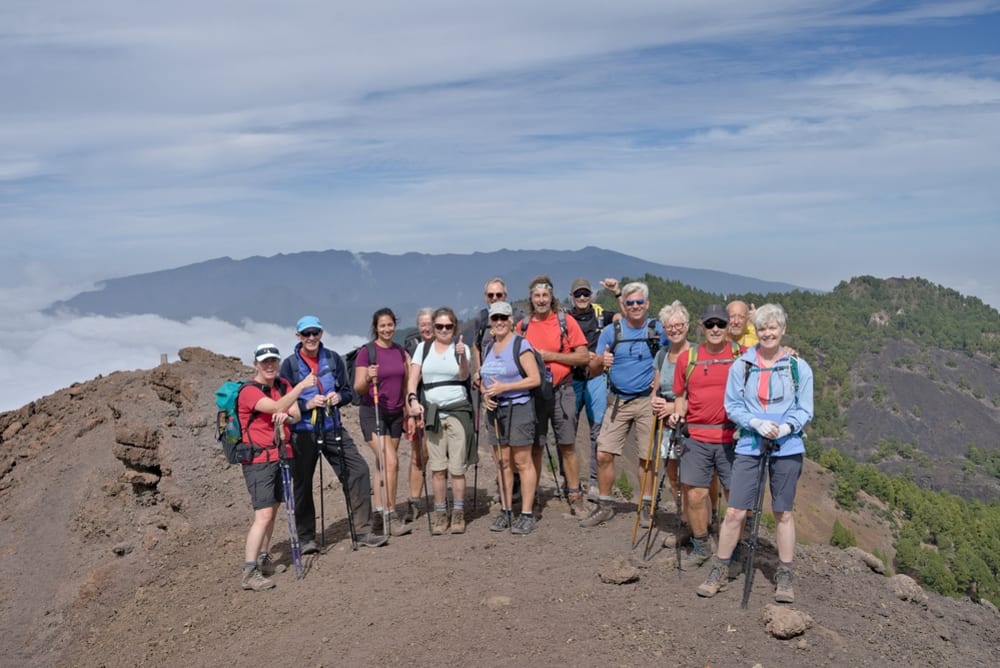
385, 310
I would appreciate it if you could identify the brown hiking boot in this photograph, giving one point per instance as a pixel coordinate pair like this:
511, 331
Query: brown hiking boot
716, 581
397, 527
672, 538
700, 553
783, 578
254, 581
601, 513
645, 518
458, 520
578, 503
439, 522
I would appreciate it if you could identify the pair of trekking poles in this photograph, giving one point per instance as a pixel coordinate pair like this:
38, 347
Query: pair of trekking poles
659, 475
288, 488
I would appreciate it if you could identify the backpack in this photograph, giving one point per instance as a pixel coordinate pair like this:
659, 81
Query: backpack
793, 366
350, 360
563, 331
422, 386
652, 337
734, 349
543, 396
229, 429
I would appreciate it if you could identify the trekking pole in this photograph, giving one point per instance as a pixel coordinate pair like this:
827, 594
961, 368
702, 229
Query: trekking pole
475, 444
498, 457
380, 460
338, 439
422, 447
660, 462
642, 486
289, 493
758, 506
678, 496
322, 510
552, 468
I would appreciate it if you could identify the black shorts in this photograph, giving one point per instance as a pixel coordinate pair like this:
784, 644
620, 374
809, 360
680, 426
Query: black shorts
391, 423
264, 484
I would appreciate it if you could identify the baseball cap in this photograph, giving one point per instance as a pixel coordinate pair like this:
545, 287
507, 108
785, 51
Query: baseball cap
714, 312
501, 308
308, 322
580, 284
266, 351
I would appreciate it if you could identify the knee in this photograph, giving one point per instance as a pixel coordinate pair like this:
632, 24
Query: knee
605, 458
734, 515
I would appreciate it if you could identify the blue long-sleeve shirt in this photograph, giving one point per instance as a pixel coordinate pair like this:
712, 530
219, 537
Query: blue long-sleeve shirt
753, 391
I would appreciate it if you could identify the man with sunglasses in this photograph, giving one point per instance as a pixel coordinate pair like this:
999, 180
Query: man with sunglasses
562, 347
590, 388
332, 389
628, 353
700, 388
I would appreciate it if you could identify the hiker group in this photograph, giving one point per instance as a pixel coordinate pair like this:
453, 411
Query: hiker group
723, 413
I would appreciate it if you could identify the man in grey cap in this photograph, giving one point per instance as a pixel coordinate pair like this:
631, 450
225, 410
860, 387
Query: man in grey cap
700, 387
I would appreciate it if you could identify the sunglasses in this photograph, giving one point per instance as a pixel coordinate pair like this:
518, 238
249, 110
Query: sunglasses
495, 295
634, 302
582, 293
444, 326
309, 333
499, 316
715, 324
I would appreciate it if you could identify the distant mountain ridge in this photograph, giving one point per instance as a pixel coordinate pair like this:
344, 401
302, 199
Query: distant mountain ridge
345, 288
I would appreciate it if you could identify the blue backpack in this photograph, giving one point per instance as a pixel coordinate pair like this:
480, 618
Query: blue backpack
229, 430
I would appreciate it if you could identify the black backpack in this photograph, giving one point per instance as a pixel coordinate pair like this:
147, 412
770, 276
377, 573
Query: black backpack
350, 361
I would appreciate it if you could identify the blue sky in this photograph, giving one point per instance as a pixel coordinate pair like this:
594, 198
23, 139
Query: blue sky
798, 141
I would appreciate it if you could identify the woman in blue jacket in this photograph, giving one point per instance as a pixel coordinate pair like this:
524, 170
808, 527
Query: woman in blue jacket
769, 395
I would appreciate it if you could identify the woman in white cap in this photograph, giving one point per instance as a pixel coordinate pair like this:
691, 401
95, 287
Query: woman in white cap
261, 404
511, 414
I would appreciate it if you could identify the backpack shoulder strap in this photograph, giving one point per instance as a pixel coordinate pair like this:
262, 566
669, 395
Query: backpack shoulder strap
563, 329
517, 354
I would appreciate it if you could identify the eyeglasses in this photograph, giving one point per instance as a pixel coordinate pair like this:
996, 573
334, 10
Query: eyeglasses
309, 333
715, 324
634, 302
495, 295
676, 327
581, 293
444, 326
499, 316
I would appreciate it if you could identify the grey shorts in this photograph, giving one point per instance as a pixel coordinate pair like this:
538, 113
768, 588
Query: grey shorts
699, 460
563, 418
516, 423
784, 478
264, 484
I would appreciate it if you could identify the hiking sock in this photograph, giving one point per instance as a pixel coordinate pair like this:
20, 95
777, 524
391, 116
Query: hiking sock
606, 499
700, 544
458, 504
249, 566
441, 507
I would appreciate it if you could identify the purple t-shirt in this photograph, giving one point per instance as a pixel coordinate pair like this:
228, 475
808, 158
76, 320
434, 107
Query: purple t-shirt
391, 372
499, 367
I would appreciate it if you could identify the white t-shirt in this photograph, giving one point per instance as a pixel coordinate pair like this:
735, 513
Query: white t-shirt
439, 367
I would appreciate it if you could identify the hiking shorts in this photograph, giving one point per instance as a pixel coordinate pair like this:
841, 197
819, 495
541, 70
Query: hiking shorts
784, 478
446, 446
516, 423
264, 484
563, 417
699, 460
636, 412
392, 423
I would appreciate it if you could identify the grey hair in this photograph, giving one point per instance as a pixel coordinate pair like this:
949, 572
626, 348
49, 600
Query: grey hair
634, 287
768, 313
428, 311
495, 279
670, 310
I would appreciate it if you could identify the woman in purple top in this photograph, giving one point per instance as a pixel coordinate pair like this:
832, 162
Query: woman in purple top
388, 371
511, 415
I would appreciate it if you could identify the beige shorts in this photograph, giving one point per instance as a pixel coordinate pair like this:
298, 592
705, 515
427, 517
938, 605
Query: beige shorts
632, 414
446, 447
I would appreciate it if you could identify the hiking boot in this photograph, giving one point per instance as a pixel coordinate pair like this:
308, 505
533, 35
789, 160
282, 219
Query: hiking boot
267, 566
439, 522
501, 522
412, 511
601, 513
577, 503
593, 491
458, 520
523, 525
308, 547
783, 578
644, 516
397, 527
254, 581
715, 582
736, 562
699, 554
372, 539
673, 538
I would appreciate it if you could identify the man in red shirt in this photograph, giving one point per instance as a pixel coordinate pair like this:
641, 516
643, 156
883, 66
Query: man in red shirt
563, 345
700, 388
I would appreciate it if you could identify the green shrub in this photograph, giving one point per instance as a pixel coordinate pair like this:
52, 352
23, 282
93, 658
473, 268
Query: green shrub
842, 536
624, 486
